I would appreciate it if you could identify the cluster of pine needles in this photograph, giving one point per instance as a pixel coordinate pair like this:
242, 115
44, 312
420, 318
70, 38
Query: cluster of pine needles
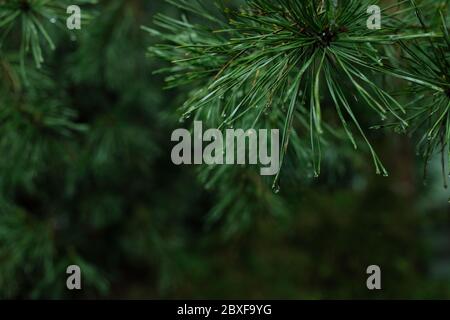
309, 62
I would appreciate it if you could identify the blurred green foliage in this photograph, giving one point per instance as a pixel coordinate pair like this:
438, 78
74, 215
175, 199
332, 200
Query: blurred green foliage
86, 178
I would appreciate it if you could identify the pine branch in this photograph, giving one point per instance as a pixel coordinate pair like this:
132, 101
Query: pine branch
34, 17
285, 55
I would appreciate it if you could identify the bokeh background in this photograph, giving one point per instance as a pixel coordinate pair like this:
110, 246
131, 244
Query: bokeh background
86, 178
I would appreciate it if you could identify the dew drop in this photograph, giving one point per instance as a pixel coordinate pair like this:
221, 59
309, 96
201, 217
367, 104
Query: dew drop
276, 188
